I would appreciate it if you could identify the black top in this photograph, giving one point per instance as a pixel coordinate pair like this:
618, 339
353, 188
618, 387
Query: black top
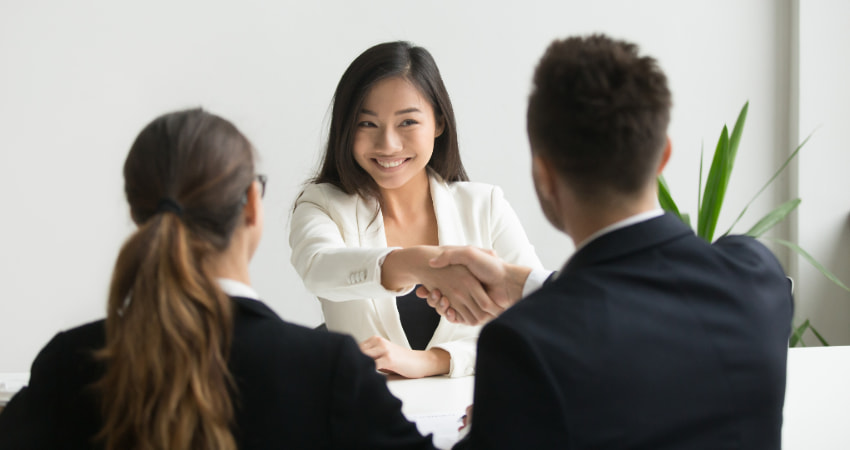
297, 388
418, 320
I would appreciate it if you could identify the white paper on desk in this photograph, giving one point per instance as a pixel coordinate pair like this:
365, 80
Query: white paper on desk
442, 426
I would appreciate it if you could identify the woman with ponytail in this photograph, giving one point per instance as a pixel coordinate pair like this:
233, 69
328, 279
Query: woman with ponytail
188, 357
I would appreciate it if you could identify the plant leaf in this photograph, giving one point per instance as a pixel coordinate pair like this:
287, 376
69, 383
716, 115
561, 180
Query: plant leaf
817, 335
699, 186
770, 181
737, 131
665, 199
715, 188
772, 218
718, 176
796, 336
823, 270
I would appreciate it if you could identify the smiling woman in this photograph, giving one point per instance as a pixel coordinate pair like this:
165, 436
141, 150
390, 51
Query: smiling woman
391, 190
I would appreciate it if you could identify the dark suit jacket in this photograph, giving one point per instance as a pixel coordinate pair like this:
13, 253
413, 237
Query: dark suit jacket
650, 338
298, 389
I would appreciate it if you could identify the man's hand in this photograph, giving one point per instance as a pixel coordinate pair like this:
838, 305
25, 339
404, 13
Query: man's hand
470, 301
503, 283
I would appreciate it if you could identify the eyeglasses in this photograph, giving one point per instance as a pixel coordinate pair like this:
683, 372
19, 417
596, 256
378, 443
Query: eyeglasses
262, 180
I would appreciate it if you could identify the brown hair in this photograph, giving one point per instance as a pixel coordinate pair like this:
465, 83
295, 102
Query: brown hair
599, 112
382, 61
168, 328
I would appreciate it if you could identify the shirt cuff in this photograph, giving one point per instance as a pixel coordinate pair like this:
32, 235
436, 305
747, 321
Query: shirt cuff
534, 281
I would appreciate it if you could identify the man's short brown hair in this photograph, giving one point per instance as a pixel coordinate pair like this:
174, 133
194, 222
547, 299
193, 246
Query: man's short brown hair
599, 113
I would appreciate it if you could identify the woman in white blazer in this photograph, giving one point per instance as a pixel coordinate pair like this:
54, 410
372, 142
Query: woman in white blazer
392, 189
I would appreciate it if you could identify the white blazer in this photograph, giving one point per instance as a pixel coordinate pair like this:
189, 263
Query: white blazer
338, 245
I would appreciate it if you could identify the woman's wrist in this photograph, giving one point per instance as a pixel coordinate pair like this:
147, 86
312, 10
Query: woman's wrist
439, 361
406, 267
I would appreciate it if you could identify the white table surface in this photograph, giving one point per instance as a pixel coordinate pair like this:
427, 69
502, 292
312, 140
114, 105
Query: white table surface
816, 415
435, 404
817, 399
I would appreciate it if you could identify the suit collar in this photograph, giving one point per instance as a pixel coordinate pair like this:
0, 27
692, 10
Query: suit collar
633, 238
255, 306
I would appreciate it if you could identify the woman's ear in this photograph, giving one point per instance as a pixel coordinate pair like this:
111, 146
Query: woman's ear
440, 126
251, 210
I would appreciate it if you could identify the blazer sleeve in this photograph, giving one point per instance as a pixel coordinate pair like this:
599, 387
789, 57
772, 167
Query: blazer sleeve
515, 402
507, 234
364, 414
322, 219
32, 418
462, 351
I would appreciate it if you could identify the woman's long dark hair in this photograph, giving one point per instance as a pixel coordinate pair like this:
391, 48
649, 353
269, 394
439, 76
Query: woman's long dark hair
387, 60
169, 325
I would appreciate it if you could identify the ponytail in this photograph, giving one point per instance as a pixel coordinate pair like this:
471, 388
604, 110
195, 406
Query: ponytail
168, 333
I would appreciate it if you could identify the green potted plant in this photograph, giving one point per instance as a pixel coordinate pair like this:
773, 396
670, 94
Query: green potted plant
710, 202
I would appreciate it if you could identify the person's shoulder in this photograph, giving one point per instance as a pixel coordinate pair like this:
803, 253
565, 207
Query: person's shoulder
91, 335
471, 188
323, 194
70, 355
474, 194
745, 248
534, 311
256, 319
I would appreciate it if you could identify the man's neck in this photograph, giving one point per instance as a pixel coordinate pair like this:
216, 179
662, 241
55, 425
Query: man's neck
585, 220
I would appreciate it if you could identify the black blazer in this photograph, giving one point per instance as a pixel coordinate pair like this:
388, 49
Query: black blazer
650, 338
298, 388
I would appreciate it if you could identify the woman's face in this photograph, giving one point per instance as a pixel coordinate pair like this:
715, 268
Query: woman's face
395, 132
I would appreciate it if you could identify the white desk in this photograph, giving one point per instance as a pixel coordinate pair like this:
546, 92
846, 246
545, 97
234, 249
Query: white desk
817, 400
816, 414
435, 404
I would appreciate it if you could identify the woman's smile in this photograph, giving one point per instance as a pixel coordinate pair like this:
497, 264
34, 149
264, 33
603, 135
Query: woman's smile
390, 164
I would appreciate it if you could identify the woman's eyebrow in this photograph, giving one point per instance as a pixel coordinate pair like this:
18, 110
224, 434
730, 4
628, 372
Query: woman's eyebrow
412, 109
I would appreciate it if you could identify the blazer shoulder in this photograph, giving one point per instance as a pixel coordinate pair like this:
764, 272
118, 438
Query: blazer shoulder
747, 249
471, 196
324, 194
81, 339
471, 189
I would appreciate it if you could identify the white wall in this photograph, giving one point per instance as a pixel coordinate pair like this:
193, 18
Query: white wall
79, 80
823, 181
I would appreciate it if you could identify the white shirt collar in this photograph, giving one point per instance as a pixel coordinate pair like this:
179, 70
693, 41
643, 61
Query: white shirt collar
235, 288
637, 218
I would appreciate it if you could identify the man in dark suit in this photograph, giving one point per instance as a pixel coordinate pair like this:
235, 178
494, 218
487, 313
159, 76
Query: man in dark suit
649, 337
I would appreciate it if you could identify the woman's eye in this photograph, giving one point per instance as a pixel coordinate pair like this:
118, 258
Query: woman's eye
366, 124
408, 122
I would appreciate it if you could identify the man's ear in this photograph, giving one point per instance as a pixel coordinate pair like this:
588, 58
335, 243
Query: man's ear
665, 157
544, 177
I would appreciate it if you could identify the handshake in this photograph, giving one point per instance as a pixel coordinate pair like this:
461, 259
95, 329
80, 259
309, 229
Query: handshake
471, 285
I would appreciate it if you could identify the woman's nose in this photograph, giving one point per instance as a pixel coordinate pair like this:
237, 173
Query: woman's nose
388, 140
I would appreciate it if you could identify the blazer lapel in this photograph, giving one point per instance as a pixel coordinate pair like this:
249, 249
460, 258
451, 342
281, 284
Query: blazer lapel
450, 231
449, 224
370, 229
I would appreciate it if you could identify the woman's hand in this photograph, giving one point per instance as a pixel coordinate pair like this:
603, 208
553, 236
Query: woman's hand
392, 358
410, 266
